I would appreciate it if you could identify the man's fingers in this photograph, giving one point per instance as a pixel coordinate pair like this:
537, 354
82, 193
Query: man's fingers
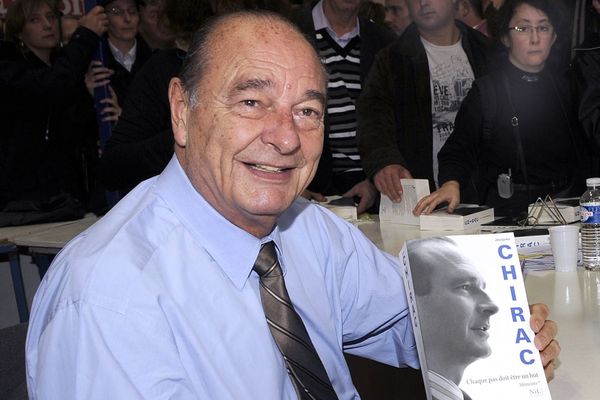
549, 371
550, 352
546, 335
539, 314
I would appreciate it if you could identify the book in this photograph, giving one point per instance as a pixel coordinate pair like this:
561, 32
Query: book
465, 216
401, 213
568, 208
470, 316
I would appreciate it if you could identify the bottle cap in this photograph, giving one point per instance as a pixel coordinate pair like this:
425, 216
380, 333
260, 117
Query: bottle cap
592, 182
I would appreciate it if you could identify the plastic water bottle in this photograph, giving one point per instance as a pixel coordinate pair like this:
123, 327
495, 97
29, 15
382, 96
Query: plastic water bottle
590, 224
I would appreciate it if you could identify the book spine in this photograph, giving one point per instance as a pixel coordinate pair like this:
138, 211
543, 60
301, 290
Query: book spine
414, 316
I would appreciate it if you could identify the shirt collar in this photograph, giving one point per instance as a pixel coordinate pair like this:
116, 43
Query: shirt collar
232, 248
126, 59
320, 21
442, 388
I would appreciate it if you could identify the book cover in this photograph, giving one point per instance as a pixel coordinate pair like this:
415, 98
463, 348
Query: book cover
470, 316
401, 213
465, 216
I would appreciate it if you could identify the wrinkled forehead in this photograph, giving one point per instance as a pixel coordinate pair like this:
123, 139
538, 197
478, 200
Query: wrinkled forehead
266, 49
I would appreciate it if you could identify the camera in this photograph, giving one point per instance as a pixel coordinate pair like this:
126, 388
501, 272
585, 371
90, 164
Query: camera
505, 185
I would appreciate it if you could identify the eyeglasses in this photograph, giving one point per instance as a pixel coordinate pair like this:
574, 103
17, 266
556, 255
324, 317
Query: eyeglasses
542, 30
116, 11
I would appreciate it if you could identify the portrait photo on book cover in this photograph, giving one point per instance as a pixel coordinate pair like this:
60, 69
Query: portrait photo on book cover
473, 317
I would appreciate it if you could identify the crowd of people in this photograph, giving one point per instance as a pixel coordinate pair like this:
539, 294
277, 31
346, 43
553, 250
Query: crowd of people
250, 104
399, 99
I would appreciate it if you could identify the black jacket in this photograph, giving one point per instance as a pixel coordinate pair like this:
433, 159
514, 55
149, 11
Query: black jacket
394, 109
142, 142
40, 142
484, 143
372, 39
122, 78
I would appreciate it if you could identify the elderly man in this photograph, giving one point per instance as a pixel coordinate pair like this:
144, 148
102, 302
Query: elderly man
213, 280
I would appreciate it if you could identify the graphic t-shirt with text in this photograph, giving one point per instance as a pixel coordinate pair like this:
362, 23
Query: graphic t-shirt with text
451, 79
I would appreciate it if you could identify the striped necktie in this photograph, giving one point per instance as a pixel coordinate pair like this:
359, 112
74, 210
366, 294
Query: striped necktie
303, 363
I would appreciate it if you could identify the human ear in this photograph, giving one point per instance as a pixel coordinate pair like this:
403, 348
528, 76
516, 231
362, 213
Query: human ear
179, 108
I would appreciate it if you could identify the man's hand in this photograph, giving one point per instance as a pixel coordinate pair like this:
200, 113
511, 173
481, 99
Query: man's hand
387, 181
95, 20
307, 194
367, 193
545, 333
449, 192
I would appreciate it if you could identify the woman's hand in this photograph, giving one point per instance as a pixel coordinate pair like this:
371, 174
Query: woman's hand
95, 20
112, 111
96, 76
449, 192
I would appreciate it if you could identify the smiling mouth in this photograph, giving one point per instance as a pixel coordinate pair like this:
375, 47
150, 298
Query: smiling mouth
267, 168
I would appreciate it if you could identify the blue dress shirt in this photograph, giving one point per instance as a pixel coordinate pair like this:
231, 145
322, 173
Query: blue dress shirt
158, 300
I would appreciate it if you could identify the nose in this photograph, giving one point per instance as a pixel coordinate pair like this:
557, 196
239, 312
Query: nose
388, 16
281, 132
535, 35
47, 24
486, 305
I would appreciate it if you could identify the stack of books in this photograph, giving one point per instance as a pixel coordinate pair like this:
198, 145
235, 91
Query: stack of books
465, 216
401, 213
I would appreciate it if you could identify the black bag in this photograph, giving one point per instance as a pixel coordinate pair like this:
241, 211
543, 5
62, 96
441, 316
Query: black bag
58, 208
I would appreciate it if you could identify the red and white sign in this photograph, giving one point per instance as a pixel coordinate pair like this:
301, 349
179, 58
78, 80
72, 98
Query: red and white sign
74, 7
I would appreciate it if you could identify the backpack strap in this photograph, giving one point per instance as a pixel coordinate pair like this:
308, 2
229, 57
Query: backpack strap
487, 93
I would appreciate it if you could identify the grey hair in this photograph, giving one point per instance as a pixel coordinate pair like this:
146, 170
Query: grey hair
200, 52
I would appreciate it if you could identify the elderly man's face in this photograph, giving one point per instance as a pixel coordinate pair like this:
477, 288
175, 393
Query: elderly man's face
462, 310
252, 144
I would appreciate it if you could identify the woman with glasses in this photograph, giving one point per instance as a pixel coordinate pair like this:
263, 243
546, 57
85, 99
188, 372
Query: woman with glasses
126, 52
513, 138
40, 142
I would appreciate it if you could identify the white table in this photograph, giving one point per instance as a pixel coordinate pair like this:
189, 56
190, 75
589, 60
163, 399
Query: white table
574, 300
55, 237
9, 247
